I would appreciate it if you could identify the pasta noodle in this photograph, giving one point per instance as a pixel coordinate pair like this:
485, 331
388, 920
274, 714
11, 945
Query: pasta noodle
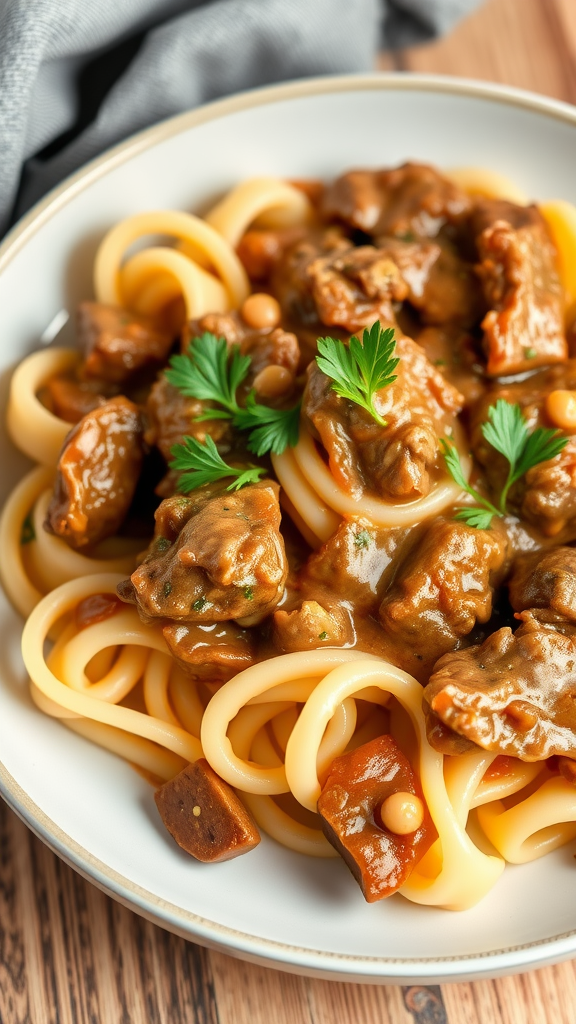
316, 496
75, 692
454, 873
23, 593
34, 429
156, 275
534, 826
561, 219
199, 287
274, 203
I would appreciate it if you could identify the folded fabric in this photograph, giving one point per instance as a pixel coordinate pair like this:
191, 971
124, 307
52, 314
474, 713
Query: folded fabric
77, 77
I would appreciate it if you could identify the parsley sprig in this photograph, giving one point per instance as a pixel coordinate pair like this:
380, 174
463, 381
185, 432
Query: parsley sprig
211, 371
478, 517
507, 431
271, 430
201, 463
359, 370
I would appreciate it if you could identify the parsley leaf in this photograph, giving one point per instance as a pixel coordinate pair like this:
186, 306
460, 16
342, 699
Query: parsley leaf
200, 464
213, 372
271, 430
507, 431
479, 518
27, 533
210, 372
362, 368
467, 515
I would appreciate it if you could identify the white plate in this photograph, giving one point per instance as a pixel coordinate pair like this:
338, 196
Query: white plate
273, 906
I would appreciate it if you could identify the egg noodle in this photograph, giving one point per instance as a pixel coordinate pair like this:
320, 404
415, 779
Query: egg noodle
273, 730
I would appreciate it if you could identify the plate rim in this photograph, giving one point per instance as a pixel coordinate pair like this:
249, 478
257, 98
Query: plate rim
270, 952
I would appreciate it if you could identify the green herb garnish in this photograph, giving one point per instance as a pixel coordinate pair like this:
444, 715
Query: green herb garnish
248, 593
167, 589
211, 371
200, 464
27, 533
199, 604
507, 431
271, 430
323, 635
362, 368
362, 539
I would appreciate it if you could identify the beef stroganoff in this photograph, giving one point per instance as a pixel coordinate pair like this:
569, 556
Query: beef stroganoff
300, 533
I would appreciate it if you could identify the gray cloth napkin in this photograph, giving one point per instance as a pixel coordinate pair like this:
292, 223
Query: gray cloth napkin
77, 76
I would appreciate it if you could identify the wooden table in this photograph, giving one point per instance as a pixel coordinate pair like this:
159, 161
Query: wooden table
70, 955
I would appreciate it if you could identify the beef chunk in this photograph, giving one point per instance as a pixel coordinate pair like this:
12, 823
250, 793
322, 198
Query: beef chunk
453, 351
399, 461
118, 343
213, 652
72, 399
332, 600
444, 587
524, 326
325, 281
441, 286
98, 470
204, 815
227, 561
312, 626
350, 809
354, 565
96, 608
352, 289
546, 495
545, 579
171, 416
549, 494
260, 250
413, 200
515, 693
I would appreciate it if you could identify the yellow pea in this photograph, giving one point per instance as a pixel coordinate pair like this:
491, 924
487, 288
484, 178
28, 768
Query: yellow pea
273, 381
261, 310
402, 813
561, 408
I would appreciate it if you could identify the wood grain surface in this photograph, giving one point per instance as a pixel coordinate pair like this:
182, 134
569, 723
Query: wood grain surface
70, 955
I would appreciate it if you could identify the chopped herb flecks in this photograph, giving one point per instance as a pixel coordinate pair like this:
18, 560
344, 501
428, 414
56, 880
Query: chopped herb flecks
27, 533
